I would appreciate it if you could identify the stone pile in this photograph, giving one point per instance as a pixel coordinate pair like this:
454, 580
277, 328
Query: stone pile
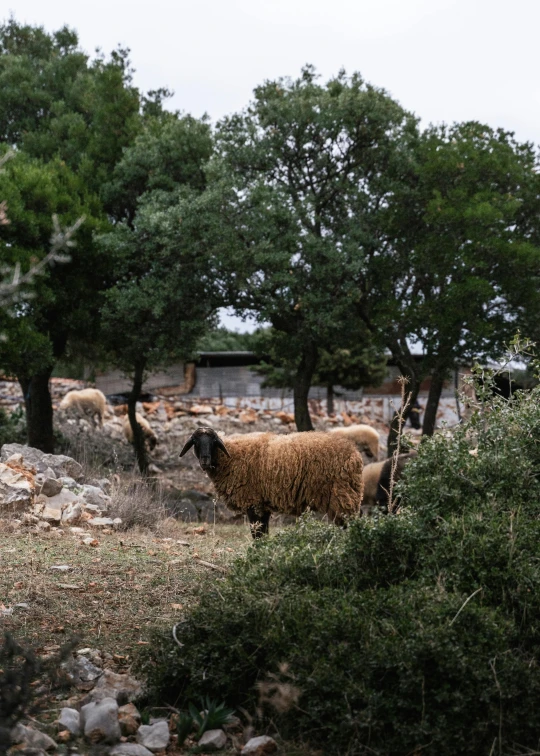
102, 714
46, 492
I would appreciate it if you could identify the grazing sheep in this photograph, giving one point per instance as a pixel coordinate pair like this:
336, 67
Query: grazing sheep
285, 474
90, 402
365, 437
377, 481
149, 435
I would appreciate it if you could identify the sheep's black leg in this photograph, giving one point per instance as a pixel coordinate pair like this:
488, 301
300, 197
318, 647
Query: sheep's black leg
258, 523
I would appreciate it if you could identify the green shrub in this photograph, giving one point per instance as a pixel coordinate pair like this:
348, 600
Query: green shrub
12, 427
419, 631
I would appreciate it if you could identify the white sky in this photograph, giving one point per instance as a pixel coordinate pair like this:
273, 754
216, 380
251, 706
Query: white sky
446, 60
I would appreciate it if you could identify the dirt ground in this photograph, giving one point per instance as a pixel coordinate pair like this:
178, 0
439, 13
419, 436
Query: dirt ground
111, 596
108, 595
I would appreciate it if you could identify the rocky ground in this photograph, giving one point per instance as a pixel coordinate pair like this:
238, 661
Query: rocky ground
69, 572
186, 488
89, 552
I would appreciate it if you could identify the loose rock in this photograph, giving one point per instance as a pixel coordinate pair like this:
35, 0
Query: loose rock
154, 737
122, 688
130, 709
99, 721
260, 746
48, 486
101, 522
82, 671
213, 740
128, 724
32, 738
59, 463
16, 491
70, 719
130, 749
72, 513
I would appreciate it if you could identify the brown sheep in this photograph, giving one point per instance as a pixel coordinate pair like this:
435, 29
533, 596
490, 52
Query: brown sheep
365, 437
89, 402
282, 473
377, 481
149, 435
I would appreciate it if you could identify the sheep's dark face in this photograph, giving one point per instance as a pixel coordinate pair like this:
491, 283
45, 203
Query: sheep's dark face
206, 443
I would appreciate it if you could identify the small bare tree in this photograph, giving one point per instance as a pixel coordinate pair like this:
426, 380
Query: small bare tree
401, 417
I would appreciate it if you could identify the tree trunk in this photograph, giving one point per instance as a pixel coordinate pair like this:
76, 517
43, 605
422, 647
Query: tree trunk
430, 413
138, 436
329, 400
302, 384
39, 412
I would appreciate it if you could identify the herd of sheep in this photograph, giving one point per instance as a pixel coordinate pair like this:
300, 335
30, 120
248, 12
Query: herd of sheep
258, 474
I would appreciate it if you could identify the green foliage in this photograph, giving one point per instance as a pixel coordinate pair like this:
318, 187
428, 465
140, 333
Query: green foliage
57, 103
184, 726
169, 152
460, 252
222, 340
362, 364
64, 296
420, 630
212, 715
12, 430
296, 191
163, 300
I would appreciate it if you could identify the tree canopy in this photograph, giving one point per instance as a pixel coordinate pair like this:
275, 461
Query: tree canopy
298, 184
64, 301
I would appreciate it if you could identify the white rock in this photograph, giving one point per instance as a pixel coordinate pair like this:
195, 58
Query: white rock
101, 522
59, 463
72, 513
32, 738
16, 459
259, 746
100, 721
16, 492
60, 500
129, 749
49, 514
94, 495
154, 737
213, 740
70, 719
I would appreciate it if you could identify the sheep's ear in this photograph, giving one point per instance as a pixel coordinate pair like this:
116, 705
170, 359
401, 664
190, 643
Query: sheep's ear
221, 446
188, 446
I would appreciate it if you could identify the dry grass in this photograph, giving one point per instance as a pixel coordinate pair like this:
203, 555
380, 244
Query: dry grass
114, 593
137, 502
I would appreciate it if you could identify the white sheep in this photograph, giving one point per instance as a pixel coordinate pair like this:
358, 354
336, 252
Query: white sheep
149, 435
282, 473
365, 437
88, 402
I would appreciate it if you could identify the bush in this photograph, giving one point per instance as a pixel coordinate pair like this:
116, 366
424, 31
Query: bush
12, 427
400, 633
21, 670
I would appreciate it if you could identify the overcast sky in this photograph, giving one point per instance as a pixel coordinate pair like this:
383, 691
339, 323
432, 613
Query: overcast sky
446, 60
